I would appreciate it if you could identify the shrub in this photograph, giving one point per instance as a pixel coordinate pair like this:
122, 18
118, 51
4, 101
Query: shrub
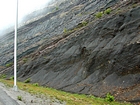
65, 30
12, 78
9, 64
107, 11
84, 23
19, 98
99, 14
56, 8
27, 80
109, 98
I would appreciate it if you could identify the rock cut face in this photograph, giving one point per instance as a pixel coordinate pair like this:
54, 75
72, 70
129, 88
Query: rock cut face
41, 25
101, 57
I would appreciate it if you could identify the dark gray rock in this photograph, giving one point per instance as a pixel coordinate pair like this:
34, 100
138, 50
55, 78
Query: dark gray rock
34, 33
102, 57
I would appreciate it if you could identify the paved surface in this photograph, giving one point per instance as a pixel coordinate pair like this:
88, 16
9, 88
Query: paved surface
5, 99
9, 97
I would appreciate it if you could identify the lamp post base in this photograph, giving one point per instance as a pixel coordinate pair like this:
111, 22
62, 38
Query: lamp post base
15, 88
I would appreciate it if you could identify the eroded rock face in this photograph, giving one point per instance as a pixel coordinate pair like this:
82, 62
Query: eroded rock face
102, 57
52, 20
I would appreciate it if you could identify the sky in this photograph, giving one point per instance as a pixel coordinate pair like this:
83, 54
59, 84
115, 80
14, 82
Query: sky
8, 8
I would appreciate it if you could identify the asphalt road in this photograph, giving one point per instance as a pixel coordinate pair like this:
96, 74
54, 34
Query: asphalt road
5, 99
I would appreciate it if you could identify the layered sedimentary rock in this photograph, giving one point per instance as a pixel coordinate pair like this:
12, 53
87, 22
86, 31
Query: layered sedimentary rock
98, 57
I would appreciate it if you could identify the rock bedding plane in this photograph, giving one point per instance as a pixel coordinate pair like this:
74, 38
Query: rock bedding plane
71, 49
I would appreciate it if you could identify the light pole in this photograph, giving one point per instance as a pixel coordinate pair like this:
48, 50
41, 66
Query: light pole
15, 48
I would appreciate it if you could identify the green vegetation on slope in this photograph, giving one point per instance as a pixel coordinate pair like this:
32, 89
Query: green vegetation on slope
9, 64
70, 99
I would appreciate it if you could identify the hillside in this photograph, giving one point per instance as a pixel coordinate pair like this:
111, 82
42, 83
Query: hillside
81, 48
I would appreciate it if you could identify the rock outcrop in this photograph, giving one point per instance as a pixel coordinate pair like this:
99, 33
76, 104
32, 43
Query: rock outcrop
98, 57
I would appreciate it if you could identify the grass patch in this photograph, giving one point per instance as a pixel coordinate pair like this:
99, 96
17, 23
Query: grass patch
35, 84
2, 76
70, 99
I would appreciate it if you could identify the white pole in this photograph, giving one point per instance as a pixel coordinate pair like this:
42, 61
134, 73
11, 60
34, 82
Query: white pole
15, 49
